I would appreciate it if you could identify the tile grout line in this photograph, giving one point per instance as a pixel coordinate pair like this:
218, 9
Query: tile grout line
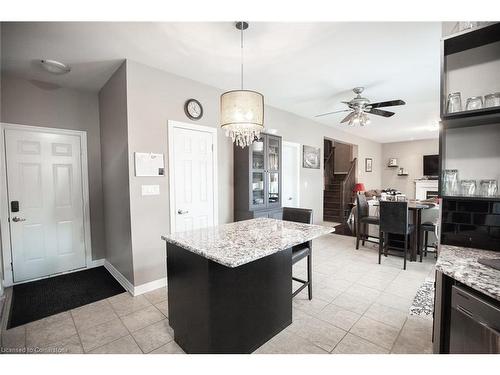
76, 329
131, 333
399, 334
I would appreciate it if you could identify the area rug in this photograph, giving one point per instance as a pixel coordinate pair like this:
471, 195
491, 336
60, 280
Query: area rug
423, 303
38, 299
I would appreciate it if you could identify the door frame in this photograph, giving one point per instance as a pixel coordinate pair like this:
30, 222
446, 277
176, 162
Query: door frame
171, 181
297, 146
4, 199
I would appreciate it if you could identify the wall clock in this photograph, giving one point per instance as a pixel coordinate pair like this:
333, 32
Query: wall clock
193, 109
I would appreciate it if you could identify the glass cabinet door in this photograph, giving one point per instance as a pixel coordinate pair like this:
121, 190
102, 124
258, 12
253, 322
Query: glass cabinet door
273, 147
257, 155
257, 174
257, 198
273, 153
273, 188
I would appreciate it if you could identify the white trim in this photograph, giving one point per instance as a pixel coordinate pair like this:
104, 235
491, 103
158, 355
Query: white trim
129, 287
119, 277
96, 263
297, 146
201, 128
4, 199
148, 287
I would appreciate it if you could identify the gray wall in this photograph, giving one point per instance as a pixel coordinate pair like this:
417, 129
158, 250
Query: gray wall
410, 156
468, 148
1, 252
39, 104
115, 173
154, 97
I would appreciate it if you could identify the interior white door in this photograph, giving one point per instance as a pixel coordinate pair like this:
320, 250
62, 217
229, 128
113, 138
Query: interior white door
291, 168
44, 174
193, 176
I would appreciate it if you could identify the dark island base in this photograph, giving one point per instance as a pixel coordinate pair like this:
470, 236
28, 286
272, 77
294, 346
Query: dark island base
217, 309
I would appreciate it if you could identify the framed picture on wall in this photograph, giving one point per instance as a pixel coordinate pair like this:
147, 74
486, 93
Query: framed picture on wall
310, 157
368, 165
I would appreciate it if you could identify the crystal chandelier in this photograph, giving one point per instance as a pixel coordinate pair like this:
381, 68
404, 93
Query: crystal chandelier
242, 111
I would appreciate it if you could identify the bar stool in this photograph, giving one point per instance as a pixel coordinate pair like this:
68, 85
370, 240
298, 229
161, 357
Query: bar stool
394, 219
363, 219
301, 215
426, 228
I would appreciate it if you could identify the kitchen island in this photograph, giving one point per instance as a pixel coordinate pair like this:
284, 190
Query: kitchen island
230, 286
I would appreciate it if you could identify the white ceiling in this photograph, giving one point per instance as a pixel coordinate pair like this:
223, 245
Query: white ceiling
304, 68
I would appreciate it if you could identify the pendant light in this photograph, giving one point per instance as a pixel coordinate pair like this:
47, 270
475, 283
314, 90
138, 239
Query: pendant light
242, 111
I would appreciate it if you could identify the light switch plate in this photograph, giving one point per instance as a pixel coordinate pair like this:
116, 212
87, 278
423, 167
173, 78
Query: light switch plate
150, 189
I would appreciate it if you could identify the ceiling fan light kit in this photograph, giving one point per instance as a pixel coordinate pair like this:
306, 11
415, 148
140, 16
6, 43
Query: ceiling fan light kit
242, 111
360, 107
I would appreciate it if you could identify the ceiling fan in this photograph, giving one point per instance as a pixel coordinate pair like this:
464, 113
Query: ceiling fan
360, 107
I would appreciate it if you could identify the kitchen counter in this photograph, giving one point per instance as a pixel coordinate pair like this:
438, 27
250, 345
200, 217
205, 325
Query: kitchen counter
461, 264
242, 242
230, 286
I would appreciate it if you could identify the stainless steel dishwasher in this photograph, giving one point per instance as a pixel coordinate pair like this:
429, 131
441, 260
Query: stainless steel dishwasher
475, 323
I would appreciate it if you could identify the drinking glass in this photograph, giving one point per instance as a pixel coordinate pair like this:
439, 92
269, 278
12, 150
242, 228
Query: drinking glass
489, 188
492, 100
450, 181
476, 102
454, 102
468, 187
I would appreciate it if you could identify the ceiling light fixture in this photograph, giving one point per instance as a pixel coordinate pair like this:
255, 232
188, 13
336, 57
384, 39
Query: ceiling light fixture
55, 67
359, 118
242, 111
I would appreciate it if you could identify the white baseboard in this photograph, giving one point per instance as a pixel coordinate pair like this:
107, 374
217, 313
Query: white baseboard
152, 285
134, 290
96, 263
119, 277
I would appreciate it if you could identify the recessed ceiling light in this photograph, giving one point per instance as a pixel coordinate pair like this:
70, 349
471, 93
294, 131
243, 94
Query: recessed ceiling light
55, 67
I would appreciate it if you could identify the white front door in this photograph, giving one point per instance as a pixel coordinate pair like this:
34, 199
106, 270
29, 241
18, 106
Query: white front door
44, 175
291, 170
193, 178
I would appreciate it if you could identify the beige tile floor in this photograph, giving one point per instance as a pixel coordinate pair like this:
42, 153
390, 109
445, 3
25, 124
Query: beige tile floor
359, 306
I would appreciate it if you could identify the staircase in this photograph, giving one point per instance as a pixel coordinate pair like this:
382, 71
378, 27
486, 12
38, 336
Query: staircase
332, 199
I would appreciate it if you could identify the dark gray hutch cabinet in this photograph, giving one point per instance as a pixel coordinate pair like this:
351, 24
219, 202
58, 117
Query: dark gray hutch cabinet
257, 179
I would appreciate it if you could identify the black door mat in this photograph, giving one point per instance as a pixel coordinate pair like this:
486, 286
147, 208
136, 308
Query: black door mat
38, 299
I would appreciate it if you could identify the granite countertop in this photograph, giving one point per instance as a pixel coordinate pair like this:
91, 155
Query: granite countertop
242, 242
461, 264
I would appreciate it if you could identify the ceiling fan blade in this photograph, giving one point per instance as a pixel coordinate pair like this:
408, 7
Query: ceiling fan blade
389, 103
331, 113
381, 112
348, 117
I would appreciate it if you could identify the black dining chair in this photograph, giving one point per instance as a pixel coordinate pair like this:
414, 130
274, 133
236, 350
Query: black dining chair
363, 219
301, 215
394, 219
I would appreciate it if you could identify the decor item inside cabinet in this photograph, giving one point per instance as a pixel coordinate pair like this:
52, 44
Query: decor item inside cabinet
257, 178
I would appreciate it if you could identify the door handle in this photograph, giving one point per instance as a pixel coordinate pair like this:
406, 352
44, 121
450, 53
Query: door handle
290, 198
16, 219
182, 212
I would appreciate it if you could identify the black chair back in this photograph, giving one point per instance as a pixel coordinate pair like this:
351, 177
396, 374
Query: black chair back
394, 217
298, 215
362, 208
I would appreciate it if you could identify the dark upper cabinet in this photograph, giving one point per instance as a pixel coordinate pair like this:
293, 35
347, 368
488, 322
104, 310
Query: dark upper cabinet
468, 139
257, 178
